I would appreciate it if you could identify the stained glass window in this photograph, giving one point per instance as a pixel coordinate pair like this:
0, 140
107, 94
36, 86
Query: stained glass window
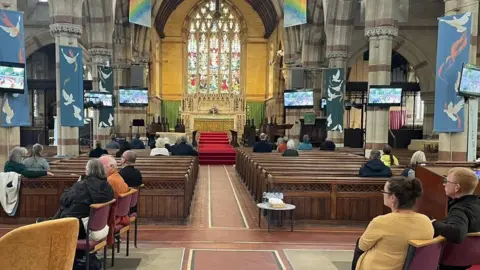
214, 50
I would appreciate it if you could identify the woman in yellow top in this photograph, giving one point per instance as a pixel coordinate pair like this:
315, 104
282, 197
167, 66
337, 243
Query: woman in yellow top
388, 158
385, 241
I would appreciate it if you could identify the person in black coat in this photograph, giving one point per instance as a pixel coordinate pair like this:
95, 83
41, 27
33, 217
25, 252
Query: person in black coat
291, 151
183, 149
463, 209
98, 151
131, 175
262, 146
375, 167
328, 145
125, 146
136, 143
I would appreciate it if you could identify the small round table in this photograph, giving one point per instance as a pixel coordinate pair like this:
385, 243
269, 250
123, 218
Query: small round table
267, 207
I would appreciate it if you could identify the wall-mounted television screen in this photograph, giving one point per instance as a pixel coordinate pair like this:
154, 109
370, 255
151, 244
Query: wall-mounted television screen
97, 97
469, 84
12, 77
298, 98
130, 96
384, 95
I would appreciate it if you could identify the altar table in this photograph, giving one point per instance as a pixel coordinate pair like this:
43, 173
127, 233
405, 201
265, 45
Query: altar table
213, 124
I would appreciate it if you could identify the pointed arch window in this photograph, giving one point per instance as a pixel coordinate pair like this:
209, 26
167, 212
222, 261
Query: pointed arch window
213, 50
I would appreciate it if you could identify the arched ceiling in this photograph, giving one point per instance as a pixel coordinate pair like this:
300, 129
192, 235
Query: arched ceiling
264, 8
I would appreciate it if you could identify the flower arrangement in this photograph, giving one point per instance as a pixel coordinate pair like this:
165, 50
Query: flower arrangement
213, 110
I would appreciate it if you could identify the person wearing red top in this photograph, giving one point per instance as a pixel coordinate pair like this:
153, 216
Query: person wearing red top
282, 147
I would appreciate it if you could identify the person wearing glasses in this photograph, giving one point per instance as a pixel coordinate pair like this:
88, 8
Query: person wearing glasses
384, 243
463, 209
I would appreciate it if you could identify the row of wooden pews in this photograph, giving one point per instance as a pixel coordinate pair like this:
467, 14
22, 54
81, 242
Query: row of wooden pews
324, 186
167, 195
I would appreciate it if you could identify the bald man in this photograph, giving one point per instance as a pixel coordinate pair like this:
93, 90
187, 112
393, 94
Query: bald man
131, 175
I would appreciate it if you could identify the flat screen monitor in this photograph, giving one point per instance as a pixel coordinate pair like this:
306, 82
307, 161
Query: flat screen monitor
469, 84
12, 77
384, 95
298, 98
129, 96
97, 97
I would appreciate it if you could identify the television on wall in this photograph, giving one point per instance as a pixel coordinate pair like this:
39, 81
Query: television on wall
12, 77
131, 96
469, 81
302, 98
96, 97
384, 95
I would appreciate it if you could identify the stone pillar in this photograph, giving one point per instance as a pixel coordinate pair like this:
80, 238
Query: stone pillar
380, 33
66, 28
338, 59
11, 135
100, 57
453, 146
429, 109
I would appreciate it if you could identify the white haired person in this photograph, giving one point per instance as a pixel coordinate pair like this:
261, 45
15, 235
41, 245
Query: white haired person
417, 158
159, 149
14, 164
36, 162
183, 148
290, 152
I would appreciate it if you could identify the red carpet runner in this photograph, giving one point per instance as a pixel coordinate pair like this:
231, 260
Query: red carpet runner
214, 148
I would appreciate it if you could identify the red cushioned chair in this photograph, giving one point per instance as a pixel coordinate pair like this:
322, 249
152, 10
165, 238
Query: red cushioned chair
97, 220
134, 212
424, 254
466, 253
122, 209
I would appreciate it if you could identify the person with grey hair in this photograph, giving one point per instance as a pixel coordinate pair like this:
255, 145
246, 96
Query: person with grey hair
159, 149
36, 162
290, 152
131, 175
375, 167
263, 146
305, 145
136, 143
113, 144
14, 164
183, 148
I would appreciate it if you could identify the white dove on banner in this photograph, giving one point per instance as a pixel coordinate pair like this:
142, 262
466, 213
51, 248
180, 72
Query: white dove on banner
110, 120
76, 113
12, 30
457, 83
71, 59
452, 110
458, 22
106, 76
102, 124
8, 111
101, 88
68, 97
337, 88
338, 127
329, 120
336, 77
332, 96
15, 95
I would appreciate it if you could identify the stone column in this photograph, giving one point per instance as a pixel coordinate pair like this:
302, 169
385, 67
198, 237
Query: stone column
379, 67
11, 135
453, 146
429, 109
66, 28
100, 57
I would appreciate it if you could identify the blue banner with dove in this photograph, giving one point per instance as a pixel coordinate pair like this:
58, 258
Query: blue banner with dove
335, 92
15, 107
71, 85
105, 84
453, 50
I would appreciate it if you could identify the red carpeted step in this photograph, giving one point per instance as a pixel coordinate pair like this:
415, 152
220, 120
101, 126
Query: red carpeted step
215, 148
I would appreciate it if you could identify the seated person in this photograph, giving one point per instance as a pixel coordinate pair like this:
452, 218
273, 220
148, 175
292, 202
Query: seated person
125, 146
131, 175
14, 164
463, 210
282, 144
116, 182
90, 189
328, 145
417, 157
262, 146
160, 149
375, 167
290, 152
152, 143
36, 162
98, 151
305, 145
136, 143
183, 148
113, 144
388, 158
384, 243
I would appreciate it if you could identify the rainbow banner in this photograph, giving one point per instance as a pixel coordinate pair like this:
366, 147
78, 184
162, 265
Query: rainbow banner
295, 12
140, 12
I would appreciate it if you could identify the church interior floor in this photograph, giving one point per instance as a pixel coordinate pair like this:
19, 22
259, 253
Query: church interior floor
223, 233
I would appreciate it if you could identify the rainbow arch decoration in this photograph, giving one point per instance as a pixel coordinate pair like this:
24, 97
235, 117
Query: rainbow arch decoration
295, 12
140, 12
